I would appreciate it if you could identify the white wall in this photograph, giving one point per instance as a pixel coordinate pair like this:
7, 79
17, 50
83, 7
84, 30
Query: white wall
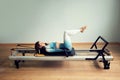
46, 20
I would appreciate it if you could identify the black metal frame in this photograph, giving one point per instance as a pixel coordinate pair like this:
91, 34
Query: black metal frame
100, 52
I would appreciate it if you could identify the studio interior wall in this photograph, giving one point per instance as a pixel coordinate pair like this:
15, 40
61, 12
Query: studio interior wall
27, 21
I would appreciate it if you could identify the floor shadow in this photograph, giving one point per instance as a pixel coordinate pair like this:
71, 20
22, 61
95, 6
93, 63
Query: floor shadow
42, 64
97, 65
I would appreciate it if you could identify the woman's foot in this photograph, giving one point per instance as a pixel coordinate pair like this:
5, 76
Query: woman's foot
82, 29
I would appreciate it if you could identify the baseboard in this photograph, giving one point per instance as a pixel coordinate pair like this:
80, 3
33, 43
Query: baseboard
115, 43
119, 43
74, 43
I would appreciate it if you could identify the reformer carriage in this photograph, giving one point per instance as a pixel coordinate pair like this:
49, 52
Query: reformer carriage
94, 53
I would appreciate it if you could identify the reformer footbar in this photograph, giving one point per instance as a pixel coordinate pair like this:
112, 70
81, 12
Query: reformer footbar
101, 54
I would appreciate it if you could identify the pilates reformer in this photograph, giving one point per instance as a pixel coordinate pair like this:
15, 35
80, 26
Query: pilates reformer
103, 54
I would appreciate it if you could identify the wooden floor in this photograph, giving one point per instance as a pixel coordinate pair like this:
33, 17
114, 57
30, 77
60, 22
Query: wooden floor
59, 70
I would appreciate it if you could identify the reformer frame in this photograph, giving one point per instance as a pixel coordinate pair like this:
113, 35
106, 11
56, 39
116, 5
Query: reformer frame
102, 55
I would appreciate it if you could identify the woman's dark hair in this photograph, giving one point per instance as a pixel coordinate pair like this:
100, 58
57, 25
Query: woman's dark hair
37, 47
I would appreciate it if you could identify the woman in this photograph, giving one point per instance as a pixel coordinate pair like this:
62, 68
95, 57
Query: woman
55, 47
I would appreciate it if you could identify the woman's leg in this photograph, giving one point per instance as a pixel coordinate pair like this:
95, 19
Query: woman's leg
68, 33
